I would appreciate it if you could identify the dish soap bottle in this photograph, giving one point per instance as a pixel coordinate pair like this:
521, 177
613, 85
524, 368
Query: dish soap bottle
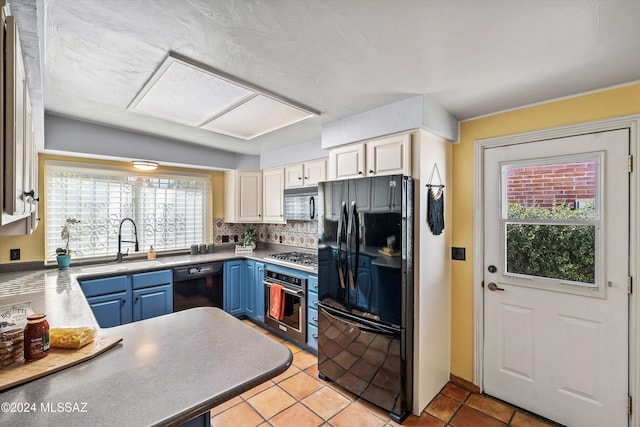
152, 253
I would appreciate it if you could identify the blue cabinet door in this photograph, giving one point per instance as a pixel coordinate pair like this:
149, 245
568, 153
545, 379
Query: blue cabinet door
234, 287
112, 309
152, 302
249, 294
258, 289
312, 311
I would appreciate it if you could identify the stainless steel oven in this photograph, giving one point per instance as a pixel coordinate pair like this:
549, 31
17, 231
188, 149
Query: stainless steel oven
294, 319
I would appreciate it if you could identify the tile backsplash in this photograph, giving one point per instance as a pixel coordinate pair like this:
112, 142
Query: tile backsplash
303, 234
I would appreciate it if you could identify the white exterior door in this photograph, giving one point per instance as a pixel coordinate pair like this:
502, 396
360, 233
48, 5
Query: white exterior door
556, 269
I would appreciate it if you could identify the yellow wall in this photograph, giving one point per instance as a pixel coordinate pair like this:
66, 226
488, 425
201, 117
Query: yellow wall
32, 247
611, 103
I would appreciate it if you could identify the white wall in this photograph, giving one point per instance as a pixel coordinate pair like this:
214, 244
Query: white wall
74, 137
432, 278
293, 154
417, 112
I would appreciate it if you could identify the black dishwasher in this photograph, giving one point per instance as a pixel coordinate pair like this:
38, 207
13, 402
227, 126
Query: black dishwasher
198, 285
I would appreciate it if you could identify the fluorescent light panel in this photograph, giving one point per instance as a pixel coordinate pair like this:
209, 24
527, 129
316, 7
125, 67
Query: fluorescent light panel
255, 117
184, 93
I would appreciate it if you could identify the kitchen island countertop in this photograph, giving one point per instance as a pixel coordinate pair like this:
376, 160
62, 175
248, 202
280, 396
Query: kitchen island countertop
167, 370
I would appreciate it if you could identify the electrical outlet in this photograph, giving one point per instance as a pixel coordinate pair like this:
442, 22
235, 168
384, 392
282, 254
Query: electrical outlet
225, 238
14, 254
235, 238
458, 254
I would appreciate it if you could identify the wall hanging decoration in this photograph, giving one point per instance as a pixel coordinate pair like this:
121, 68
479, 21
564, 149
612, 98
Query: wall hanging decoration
435, 202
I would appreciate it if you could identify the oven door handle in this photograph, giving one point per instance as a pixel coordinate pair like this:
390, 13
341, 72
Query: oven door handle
287, 290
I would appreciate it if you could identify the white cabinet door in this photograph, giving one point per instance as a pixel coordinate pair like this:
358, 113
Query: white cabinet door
14, 122
293, 176
389, 156
273, 195
315, 172
347, 162
30, 169
243, 196
250, 187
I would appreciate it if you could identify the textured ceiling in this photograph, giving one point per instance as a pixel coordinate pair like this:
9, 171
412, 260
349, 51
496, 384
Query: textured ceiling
339, 57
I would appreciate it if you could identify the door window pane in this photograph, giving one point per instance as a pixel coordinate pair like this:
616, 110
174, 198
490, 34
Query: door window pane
551, 218
565, 252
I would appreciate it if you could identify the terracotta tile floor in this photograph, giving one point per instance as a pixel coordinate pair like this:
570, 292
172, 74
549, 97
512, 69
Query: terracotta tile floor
298, 398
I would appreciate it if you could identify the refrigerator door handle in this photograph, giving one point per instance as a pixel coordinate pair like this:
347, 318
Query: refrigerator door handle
380, 330
353, 227
339, 260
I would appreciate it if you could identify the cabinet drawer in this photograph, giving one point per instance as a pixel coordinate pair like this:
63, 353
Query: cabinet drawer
312, 316
312, 284
152, 278
107, 285
312, 300
312, 336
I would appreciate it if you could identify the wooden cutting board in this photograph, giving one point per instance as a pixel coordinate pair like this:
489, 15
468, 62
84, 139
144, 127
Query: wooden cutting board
56, 360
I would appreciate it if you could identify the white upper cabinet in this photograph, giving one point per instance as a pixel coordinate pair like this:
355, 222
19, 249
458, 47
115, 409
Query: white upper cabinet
389, 156
243, 196
273, 195
315, 172
293, 176
347, 162
307, 174
18, 154
384, 156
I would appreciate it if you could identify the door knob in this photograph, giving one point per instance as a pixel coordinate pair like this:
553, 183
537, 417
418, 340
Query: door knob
493, 287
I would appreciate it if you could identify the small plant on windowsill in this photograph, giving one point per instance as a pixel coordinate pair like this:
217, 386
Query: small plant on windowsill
250, 238
64, 253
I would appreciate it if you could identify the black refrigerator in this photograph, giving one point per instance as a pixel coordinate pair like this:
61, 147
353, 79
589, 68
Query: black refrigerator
365, 289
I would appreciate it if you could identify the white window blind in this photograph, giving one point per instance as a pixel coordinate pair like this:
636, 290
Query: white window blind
170, 211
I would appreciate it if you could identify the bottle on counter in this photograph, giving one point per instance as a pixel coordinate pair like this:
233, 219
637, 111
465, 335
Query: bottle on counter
36, 337
152, 253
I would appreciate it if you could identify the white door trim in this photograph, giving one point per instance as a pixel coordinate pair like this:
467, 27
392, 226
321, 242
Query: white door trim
633, 124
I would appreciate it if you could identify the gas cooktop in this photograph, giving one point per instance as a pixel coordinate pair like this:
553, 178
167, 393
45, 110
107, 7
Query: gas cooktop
298, 259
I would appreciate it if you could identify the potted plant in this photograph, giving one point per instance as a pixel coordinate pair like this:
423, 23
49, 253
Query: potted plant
63, 255
250, 238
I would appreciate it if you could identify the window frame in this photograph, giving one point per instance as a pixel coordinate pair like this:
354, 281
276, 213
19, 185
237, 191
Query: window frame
121, 171
598, 289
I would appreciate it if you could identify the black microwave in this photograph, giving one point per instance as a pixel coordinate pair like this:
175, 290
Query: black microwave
300, 204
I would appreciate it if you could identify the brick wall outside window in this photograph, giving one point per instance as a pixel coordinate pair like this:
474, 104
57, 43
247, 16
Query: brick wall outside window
545, 185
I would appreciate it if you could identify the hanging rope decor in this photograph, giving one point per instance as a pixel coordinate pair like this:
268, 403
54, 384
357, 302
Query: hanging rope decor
435, 202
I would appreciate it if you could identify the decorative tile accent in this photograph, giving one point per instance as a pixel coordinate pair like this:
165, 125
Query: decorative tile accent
302, 234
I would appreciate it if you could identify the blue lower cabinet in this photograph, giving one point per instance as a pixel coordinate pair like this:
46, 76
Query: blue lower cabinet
152, 302
258, 289
312, 311
234, 299
312, 336
250, 303
112, 309
122, 299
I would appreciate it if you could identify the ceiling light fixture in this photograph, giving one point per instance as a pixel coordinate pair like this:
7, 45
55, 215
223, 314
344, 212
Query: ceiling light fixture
195, 95
145, 165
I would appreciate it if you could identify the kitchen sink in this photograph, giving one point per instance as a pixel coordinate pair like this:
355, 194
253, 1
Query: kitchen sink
103, 268
133, 265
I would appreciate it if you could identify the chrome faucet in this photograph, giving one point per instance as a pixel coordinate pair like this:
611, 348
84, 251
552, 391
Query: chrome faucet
135, 234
